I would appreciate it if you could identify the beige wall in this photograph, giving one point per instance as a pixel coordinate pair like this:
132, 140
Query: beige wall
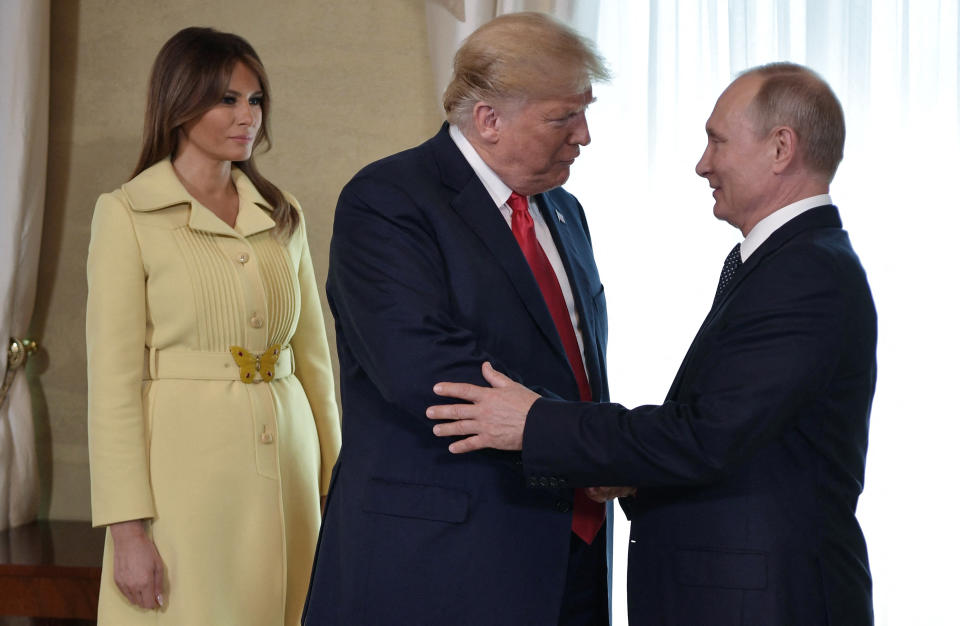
351, 83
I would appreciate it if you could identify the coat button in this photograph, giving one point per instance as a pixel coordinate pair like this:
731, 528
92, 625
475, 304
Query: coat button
563, 506
256, 321
243, 257
266, 437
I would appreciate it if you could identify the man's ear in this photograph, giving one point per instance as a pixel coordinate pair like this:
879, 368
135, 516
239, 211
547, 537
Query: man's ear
487, 121
785, 147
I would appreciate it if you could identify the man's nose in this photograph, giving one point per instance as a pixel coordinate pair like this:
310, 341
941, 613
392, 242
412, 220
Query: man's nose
703, 165
581, 132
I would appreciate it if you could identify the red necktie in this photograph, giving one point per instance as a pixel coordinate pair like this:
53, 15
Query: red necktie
587, 515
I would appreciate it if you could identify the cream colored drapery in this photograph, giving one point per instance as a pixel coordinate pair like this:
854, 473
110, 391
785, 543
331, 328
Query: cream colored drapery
24, 76
449, 22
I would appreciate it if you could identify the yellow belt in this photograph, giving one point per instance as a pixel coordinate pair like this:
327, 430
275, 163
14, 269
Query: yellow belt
196, 365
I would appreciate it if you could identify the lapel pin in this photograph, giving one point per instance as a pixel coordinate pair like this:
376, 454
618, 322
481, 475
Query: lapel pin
561, 218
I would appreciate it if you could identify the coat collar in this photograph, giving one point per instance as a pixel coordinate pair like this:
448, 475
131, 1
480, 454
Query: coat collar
158, 187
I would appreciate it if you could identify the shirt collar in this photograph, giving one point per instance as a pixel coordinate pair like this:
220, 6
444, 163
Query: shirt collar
775, 220
498, 190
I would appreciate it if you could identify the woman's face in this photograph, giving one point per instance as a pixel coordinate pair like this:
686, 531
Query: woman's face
226, 132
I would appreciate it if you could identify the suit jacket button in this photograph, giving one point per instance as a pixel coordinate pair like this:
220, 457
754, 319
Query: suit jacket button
563, 506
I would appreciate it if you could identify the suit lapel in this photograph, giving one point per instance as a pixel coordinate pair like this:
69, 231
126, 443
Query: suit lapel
562, 234
820, 217
473, 204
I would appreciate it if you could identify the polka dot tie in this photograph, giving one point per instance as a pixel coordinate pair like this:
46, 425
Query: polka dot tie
730, 266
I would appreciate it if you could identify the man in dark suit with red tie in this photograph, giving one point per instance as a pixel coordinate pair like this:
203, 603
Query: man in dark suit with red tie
748, 475
463, 250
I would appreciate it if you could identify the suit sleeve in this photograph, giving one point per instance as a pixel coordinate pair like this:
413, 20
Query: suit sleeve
389, 286
313, 365
116, 330
776, 348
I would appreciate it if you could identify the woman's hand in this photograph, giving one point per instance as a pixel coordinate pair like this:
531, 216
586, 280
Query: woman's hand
137, 566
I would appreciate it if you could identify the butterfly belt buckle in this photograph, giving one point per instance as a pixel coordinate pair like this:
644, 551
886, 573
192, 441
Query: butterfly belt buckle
252, 364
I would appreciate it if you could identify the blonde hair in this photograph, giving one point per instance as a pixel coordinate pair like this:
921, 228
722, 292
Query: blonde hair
795, 96
520, 56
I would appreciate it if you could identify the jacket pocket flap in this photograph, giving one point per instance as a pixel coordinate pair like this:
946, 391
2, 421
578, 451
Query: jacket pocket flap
721, 568
442, 504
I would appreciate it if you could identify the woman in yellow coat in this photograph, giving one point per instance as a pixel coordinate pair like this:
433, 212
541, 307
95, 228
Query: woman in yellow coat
212, 418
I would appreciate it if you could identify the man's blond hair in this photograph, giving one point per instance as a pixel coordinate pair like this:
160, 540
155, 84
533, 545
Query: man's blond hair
520, 56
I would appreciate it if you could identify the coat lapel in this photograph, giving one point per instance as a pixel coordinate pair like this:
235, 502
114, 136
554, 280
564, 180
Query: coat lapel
820, 217
566, 242
473, 204
255, 211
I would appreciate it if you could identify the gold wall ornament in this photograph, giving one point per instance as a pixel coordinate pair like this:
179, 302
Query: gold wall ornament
17, 354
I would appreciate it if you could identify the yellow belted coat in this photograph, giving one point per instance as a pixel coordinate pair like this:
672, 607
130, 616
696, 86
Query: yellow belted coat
228, 473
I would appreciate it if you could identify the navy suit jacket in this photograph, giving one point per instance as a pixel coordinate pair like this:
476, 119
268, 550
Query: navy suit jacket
426, 282
748, 474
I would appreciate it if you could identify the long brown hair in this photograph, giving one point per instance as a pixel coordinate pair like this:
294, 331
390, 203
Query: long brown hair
190, 75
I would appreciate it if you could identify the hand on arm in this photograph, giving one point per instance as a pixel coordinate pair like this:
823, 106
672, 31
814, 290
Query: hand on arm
137, 566
495, 419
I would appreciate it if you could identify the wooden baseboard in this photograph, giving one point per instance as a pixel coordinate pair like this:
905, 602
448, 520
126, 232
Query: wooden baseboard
51, 569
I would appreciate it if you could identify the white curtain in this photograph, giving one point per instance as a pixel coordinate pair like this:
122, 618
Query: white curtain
894, 66
24, 77
449, 22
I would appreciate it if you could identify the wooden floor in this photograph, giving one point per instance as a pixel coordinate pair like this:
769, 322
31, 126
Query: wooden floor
50, 571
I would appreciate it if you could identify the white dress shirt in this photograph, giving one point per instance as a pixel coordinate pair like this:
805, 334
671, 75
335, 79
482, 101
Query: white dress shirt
499, 193
775, 220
